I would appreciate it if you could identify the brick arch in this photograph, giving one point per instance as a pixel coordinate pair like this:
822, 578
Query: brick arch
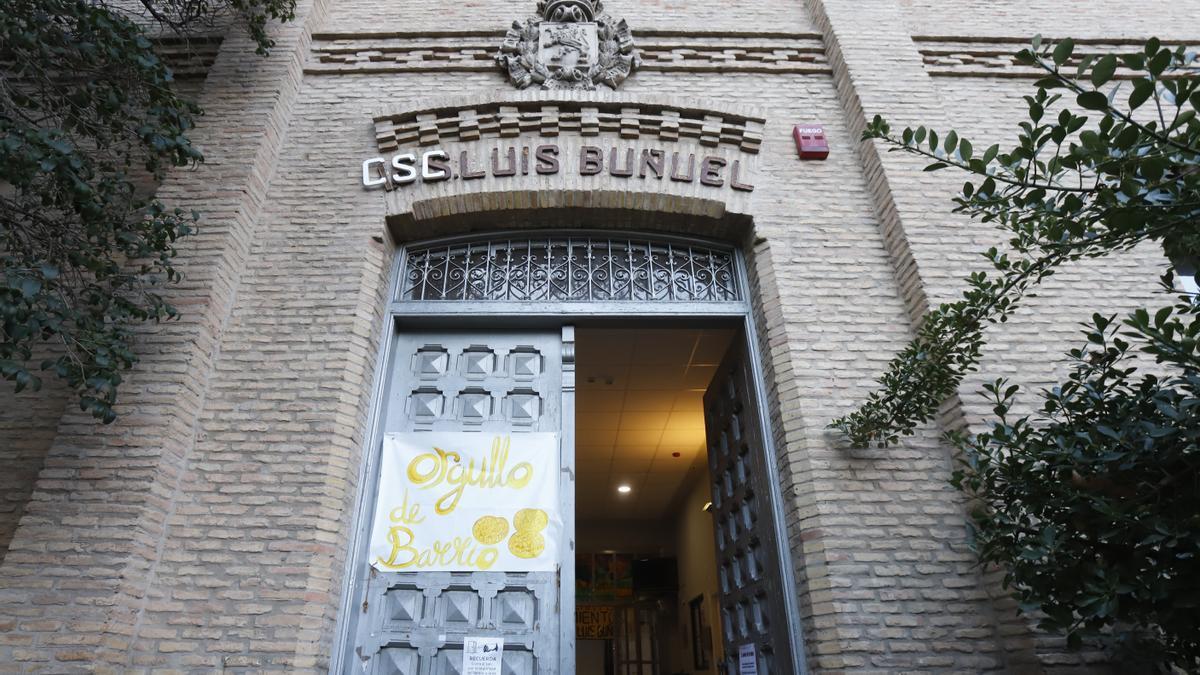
650, 212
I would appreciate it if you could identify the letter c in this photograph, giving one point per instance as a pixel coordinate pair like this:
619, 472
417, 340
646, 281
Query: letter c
369, 180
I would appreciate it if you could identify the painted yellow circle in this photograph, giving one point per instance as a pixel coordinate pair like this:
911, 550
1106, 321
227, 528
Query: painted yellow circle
490, 529
527, 544
530, 520
487, 558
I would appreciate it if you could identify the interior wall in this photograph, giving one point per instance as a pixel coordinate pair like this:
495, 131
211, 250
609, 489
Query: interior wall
589, 657
697, 573
624, 536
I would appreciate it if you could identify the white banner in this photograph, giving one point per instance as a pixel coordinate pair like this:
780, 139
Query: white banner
467, 501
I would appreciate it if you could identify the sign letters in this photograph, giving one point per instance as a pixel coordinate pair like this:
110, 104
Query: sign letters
649, 164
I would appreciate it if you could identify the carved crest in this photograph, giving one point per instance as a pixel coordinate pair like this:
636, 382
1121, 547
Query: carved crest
569, 44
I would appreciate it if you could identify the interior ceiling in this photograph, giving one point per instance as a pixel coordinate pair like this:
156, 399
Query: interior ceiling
640, 400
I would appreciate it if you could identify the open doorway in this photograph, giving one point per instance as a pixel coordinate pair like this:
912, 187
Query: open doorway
646, 573
516, 335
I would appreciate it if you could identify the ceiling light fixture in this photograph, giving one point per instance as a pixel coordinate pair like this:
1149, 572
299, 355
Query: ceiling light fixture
623, 489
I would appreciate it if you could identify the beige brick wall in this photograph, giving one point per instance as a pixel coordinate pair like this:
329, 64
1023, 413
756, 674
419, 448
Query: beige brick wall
1016, 18
209, 526
362, 16
28, 424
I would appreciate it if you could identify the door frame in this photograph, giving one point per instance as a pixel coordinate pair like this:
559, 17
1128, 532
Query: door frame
448, 314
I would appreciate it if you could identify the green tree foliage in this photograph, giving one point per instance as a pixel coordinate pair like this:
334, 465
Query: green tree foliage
87, 112
1092, 504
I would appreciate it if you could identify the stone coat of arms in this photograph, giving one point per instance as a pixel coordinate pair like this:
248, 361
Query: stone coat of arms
569, 44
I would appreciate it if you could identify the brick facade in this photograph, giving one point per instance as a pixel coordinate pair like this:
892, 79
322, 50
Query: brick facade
208, 528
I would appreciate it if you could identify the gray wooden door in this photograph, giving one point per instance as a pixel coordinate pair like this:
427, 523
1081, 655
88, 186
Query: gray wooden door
413, 623
753, 602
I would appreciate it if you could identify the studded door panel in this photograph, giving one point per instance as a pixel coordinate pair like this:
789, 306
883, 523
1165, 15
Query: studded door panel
752, 602
413, 623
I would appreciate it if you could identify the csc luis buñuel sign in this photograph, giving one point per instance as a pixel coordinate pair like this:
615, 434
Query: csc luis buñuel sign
433, 166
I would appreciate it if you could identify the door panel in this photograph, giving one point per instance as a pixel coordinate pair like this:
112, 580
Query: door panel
413, 623
753, 606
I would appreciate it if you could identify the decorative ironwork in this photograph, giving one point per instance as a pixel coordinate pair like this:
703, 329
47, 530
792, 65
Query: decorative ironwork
571, 269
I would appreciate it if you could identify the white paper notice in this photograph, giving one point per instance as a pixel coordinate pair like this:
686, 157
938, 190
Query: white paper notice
481, 655
467, 501
747, 660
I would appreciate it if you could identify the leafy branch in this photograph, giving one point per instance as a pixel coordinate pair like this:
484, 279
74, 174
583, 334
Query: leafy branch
89, 119
1135, 182
1091, 506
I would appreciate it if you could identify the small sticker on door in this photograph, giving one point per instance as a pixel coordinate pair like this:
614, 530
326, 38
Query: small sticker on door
481, 655
747, 660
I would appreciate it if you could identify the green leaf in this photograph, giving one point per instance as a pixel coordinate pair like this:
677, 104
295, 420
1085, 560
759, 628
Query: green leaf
1128, 136
1142, 89
1133, 61
935, 166
1125, 219
1032, 554
1104, 70
1063, 51
1084, 64
964, 149
991, 153
1092, 100
30, 287
1160, 62
1153, 168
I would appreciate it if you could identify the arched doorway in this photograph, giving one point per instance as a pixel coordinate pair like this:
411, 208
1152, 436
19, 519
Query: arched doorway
520, 333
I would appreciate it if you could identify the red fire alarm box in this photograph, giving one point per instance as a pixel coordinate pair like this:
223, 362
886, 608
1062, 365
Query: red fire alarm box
810, 141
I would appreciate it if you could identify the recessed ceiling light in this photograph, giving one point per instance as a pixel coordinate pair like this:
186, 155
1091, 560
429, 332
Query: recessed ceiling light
624, 488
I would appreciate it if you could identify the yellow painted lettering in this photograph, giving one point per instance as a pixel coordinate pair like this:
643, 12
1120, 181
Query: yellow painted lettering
442, 467
405, 514
520, 476
400, 538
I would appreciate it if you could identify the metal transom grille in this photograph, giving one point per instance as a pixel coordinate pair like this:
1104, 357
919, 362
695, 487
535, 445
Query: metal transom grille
578, 269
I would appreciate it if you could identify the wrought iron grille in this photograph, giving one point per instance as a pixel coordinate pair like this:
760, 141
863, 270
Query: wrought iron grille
571, 269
